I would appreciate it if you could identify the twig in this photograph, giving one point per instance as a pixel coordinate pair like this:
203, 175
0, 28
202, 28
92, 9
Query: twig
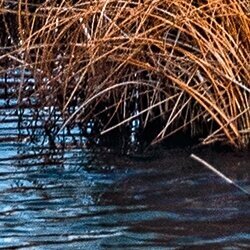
204, 163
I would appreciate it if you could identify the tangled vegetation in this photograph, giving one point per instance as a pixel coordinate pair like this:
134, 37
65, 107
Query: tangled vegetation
179, 65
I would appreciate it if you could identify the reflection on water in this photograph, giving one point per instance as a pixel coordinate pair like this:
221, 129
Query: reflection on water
70, 196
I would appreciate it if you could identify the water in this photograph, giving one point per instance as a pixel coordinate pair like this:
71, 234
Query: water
72, 196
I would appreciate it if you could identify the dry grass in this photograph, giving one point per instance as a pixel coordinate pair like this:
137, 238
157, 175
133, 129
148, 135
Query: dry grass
188, 60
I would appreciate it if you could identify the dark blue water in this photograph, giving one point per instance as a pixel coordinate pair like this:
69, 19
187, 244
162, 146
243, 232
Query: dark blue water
74, 196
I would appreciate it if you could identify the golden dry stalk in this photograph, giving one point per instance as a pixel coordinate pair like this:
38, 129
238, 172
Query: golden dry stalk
189, 61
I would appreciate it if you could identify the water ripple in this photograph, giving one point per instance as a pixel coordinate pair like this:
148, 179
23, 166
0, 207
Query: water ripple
74, 197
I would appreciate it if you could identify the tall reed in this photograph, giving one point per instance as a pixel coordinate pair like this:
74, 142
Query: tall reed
188, 61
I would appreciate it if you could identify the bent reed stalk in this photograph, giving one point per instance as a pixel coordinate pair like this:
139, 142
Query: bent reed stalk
189, 62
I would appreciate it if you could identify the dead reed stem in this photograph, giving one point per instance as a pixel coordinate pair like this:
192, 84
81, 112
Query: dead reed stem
218, 173
189, 61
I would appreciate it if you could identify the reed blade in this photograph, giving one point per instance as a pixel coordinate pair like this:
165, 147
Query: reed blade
217, 172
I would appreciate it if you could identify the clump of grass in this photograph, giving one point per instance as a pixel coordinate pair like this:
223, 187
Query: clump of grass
184, 63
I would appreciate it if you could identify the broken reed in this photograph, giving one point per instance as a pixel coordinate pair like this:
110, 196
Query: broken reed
184, 64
